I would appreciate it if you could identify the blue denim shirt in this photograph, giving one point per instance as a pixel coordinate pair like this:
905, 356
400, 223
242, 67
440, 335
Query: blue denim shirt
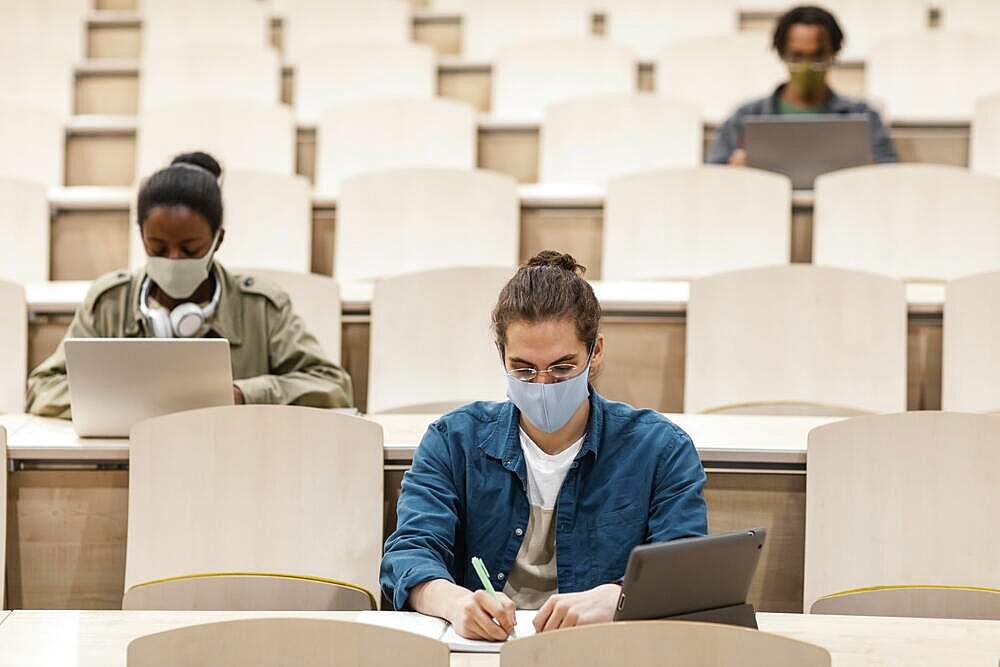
636, 479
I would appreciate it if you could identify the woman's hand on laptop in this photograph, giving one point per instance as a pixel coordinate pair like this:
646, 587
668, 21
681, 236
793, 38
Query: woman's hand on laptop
568, 610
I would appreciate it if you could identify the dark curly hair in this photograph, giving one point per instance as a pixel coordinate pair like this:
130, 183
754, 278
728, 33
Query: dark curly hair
809, 15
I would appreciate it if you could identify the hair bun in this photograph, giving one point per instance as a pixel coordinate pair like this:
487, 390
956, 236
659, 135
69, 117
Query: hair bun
201, 160
559, 260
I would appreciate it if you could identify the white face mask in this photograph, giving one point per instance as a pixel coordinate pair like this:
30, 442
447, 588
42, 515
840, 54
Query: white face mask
179, 278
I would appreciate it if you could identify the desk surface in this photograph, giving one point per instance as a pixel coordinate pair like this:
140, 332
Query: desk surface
720, 439
100, 638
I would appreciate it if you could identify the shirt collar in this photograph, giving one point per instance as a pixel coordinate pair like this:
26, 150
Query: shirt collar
834, 103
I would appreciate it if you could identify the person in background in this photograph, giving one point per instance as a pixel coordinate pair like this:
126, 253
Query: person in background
552, 489
808, 40
184, 292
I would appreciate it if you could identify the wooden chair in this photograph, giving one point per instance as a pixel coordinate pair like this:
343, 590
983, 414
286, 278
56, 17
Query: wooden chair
971, 351
431, 347
491, 25
866, 24
914, 602
173, 24
223, 128
273, 498
591, 140
741, 67
3, 516
969, 15
24, 226
673, 224
58, 24
905, 500
303, 642
406, 220
912, 221
529, 76
13, 347
646, 25
359, 137
36, 77
32, 144
661, 644
984, 143
311, 24
796, 339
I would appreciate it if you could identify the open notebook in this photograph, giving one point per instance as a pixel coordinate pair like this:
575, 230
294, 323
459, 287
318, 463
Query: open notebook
435, 628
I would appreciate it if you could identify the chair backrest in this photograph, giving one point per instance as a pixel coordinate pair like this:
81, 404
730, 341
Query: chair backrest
970, 15
984, 144
491, 25
740, 67
241, 134
646, 25
173, 24
913, 602
431, 346
304, 642
36, 77
407, 220
865, 23
24, 228
341, 73
3, 517
32, 144
796, 339
971, 351
374, 135
591, 140
882, 490
661, 644
310, 24
234, 592
278, 490
673, 223
13, 347
529, 76
912, 221
59, 24
934, 75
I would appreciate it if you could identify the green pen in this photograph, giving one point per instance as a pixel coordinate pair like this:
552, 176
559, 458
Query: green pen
484, 578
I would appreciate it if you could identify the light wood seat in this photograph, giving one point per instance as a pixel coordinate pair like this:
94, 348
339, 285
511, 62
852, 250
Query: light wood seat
24, 227
13, 347
254, 490
405, 220
491, 25
311, 24
3, 517
32, 144
646, 25
590, 140
902, 500
529, 76
374, 135
866, 24
265, 642
661, 644
177, 24
36, 77
431, 347
913, 602
912, 221
58, 24
673, 224
971, 351
796, 339
984, 142
969, 15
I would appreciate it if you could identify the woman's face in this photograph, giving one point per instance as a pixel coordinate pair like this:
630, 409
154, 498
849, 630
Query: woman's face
177, 232
541, 345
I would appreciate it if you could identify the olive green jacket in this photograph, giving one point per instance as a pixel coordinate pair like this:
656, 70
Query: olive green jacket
275, 358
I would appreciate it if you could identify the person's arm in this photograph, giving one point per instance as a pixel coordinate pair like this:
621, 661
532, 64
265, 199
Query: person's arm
300, 372
48, 387
883, 148
725, 149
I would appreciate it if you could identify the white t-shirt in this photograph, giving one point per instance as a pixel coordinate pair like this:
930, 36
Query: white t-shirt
546, 472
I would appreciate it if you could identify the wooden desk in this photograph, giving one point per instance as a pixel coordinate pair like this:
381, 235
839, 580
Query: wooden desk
100, 639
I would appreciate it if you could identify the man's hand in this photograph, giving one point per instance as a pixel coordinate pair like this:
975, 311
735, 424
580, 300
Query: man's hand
472, 616
571, 609
738, 158
238, 396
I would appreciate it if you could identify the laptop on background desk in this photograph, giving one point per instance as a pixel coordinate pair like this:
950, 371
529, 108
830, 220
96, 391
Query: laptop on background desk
804, 146
117, 382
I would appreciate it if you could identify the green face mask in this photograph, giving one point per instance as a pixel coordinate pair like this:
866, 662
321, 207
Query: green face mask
806, 81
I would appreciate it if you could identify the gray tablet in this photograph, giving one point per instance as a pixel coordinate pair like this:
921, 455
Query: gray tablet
696, 579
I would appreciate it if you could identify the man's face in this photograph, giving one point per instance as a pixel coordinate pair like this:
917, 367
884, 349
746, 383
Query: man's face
807, 44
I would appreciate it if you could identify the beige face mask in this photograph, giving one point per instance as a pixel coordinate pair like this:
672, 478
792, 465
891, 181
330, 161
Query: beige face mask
179, 278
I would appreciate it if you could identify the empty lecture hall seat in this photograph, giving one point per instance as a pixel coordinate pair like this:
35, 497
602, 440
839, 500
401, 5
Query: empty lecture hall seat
674, 224
796, 339
36, 77
13, 347
912, 221
61, 25
984, 143
24, 228
529, 76
971, 15
310, 24
178, 24
590, 140
303, 642
431, 345
867, 23
646, 25
933, 76
904, 503
32, 144
372, 135
257, 507
3, 517
405, 220
242, 134
739, 68
332, 75
971, 349
490, 25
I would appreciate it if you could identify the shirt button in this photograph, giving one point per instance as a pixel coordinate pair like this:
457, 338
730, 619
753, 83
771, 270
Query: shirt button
500, 576
518, 532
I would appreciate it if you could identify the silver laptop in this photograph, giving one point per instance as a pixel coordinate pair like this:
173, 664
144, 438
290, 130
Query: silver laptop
116, 382
693, 579
804, 146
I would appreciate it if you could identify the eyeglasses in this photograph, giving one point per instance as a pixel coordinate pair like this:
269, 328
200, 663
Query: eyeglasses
559, 372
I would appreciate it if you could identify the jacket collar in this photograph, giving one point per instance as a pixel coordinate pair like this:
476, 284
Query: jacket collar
834, 103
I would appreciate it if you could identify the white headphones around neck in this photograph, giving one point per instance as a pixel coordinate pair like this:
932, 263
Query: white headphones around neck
184, 321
